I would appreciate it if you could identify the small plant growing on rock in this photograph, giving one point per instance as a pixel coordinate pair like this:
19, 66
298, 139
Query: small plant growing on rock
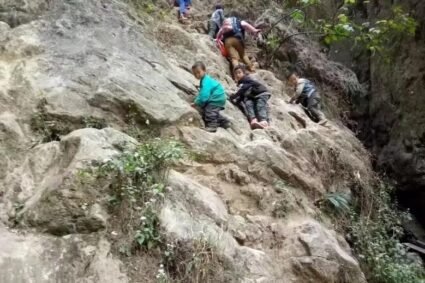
162, 276
195, 261
139, 127
336, 203
95, 123
125, 250
48, 129
280, 186
286, 200
138, 185
374, 227
280, 208
376, 235
377, 37
148, 233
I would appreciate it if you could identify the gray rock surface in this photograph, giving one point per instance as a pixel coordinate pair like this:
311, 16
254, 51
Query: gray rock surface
42, 258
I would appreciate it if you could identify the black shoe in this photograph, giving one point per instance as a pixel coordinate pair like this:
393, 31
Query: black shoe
323, 122
226, 125
210, 129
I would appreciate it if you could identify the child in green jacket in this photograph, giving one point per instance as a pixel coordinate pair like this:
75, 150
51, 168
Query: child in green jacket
210, 100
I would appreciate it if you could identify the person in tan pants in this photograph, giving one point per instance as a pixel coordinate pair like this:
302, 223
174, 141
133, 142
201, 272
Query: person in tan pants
232, 33
236, 51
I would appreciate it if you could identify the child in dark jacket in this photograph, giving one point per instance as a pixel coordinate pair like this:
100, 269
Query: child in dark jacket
307, 94
210, 100
254, 97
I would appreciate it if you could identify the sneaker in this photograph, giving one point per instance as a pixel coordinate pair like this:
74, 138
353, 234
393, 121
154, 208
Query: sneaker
210, 129
323, 122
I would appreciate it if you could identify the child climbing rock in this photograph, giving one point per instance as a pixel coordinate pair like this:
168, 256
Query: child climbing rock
232, 33
210, 100
216, 21
254, 97
307, 94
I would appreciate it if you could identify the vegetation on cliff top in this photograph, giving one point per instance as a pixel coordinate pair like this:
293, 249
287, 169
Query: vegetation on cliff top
374, 227
378, 37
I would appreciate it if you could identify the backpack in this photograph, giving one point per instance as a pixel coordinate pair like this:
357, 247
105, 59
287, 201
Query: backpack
237, 29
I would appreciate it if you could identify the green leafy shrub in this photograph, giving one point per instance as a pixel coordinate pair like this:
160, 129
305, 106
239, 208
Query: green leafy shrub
138, 185
376, 237
139, 174
273, 41
377, 37
336, 203
374, 225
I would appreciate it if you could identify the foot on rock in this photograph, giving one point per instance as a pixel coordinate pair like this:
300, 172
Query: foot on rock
226, 125
323, 122
210, 129
264, 124
184, 20
254, 124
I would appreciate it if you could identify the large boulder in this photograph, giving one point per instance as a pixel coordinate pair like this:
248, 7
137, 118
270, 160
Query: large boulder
297, 250
319, 255
41, 258
46, 192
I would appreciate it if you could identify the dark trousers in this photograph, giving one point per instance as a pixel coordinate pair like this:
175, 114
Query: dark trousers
313, 106
212, 29
212, 117
257, 108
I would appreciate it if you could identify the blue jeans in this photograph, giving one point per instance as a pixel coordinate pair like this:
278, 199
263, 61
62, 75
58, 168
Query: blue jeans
183, 5
257, 107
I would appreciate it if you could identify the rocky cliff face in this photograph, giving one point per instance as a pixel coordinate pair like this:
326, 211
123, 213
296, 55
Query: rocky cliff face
73, 72
389, 112
392, 118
